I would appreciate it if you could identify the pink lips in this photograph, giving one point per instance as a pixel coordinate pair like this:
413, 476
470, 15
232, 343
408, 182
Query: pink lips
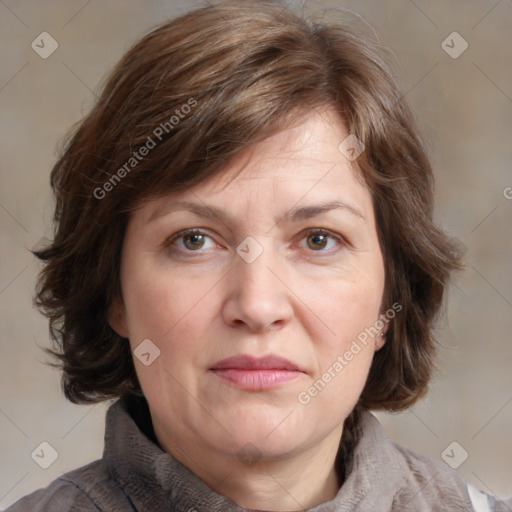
253, 373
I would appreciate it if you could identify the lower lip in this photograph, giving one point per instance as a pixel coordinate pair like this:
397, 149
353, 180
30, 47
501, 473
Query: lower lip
255, 380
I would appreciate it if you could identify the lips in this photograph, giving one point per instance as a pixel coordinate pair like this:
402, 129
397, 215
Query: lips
256, 363
256, 373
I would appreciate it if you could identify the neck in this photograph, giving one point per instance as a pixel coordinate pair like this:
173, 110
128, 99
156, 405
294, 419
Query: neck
296, 485
296, 482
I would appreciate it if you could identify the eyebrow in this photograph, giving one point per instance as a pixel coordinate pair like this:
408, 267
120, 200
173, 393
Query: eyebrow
294, 215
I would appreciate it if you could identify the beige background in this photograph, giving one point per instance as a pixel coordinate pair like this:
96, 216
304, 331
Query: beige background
465, 108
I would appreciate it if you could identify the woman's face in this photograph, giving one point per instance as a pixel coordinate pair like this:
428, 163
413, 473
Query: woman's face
243, 330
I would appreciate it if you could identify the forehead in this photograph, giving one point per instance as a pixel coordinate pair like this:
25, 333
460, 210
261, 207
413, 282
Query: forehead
301, 164
312, 142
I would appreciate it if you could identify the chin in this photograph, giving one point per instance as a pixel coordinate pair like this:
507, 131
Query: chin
274, 431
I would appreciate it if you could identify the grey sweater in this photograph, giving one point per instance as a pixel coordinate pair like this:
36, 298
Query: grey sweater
135, 474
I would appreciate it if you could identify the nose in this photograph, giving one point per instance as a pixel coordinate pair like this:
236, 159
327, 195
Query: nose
258, 297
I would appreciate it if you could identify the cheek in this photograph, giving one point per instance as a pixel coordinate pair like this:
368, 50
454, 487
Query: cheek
343, 351
158, 300
176, 314
346, 307
348, 310
173, 314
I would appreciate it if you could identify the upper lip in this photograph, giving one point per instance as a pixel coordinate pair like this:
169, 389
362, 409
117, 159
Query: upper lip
247, 362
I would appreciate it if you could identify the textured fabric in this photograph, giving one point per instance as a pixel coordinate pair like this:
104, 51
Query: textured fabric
135, 474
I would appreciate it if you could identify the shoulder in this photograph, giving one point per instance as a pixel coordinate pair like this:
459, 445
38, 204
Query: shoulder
429, 480
404, 479
88, 488
432, 484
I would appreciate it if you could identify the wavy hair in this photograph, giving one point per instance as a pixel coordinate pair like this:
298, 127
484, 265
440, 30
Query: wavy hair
246, 70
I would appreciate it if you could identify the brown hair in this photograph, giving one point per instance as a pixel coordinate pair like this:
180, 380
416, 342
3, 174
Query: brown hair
194, 93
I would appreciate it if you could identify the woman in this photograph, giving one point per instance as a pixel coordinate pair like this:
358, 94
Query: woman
245, 255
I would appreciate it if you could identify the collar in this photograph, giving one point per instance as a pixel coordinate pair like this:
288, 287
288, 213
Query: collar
154, 480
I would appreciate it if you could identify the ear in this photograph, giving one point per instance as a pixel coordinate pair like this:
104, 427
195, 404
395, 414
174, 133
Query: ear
116, 317
380, 339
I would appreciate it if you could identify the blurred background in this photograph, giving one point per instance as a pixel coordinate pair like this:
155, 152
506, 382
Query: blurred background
454, 61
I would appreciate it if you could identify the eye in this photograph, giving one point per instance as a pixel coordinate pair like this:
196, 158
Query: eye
195, 240
318, 239
190, 240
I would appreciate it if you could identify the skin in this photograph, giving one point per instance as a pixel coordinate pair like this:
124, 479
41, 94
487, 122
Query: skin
304, 298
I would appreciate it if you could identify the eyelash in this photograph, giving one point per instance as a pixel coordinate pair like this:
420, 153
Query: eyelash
169, 243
